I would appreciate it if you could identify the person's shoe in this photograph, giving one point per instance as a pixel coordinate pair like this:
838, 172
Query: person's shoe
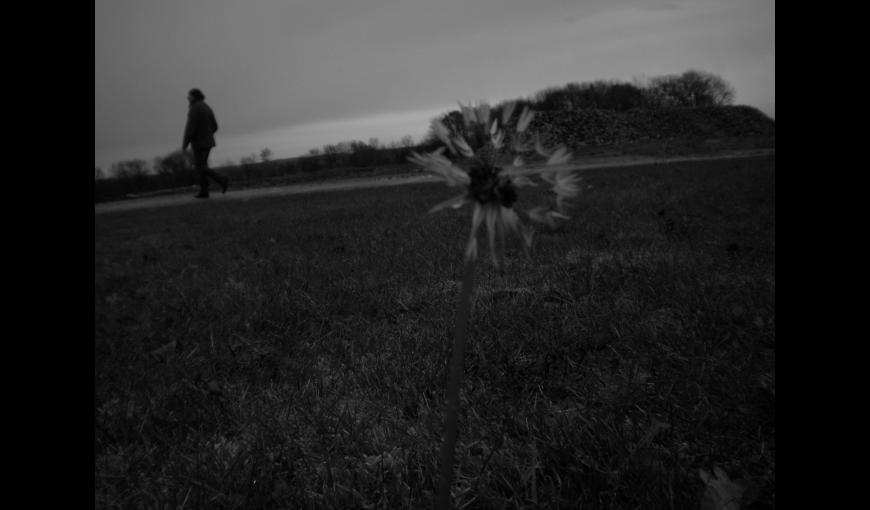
201, 195
225, 184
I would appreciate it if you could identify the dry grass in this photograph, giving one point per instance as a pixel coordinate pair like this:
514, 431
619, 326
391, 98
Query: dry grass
290, 352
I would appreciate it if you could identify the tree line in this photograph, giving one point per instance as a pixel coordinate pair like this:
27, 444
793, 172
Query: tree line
688, 90
176, 169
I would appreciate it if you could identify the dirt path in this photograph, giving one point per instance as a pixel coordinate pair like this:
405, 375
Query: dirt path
376, 182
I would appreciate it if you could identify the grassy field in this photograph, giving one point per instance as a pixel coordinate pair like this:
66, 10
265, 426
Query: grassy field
291, 352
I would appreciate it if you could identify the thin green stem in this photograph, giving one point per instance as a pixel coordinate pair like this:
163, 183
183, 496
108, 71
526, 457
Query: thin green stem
448, 447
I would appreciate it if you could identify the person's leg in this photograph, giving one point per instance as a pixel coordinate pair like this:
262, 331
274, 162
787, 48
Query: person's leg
200, 161
223, 180
218, 178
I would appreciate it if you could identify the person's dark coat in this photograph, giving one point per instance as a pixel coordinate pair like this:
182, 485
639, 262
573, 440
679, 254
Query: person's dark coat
201, 127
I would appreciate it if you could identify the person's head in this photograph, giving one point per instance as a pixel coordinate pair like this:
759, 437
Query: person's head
195, 95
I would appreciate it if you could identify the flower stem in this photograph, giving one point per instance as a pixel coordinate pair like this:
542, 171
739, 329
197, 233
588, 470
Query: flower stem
448, 447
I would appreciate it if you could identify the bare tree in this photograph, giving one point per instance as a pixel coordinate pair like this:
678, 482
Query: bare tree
174, 163
247, 163
130, 169
692, 88
132, 174
718, 90
265, 154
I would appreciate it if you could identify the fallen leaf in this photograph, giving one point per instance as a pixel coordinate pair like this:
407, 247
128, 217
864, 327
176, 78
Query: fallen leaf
721, 493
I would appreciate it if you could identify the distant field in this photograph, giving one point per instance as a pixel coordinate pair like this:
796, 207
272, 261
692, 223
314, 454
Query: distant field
290, 352
686, 146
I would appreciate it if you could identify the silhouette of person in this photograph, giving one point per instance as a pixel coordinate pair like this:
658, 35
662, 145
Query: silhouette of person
199, 134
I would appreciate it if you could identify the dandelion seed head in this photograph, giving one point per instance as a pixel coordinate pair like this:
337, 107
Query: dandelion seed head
488, 187
492, 187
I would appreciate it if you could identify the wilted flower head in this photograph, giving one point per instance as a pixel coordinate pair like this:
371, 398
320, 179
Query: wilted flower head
492, 171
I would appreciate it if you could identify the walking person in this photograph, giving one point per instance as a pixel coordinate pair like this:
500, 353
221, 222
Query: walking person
199, 134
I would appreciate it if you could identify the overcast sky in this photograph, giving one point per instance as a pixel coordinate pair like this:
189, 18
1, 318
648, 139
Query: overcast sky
297, 74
